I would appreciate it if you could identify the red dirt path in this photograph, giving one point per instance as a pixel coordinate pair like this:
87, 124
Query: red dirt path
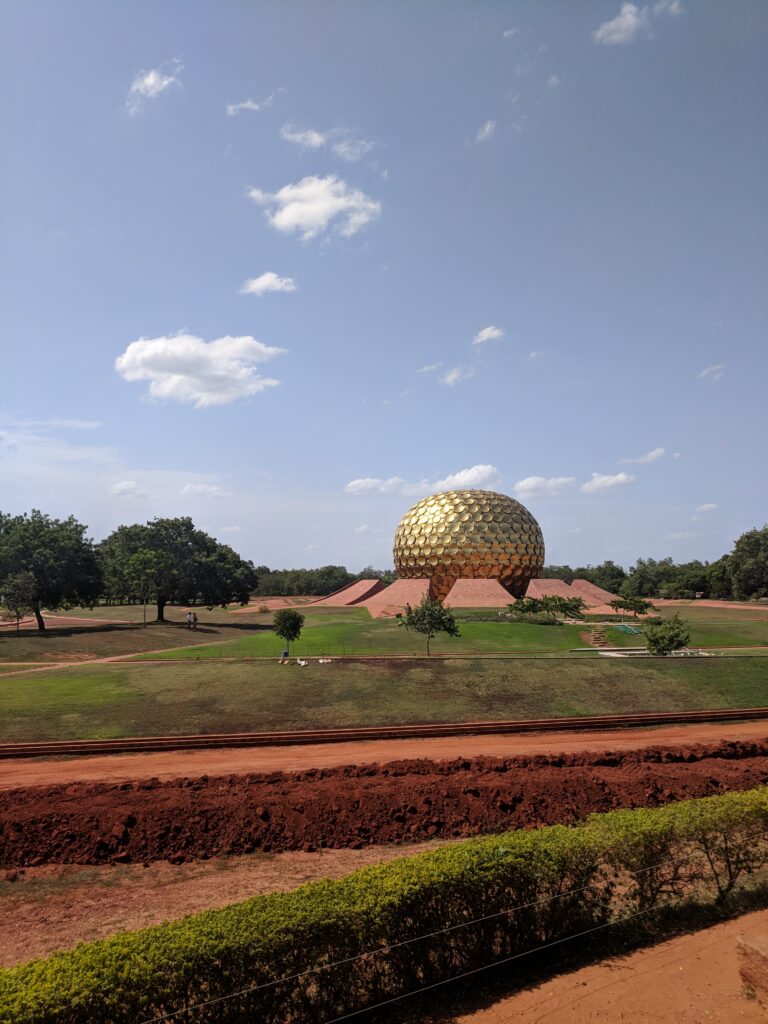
354, 806
238, 760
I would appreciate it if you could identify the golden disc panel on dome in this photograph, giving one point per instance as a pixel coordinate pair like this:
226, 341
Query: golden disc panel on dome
469, 535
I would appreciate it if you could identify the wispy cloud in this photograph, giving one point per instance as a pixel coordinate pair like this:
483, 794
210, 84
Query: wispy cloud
480, 475
341, 141
457, 375
184, 368
713, 373
485, 131
253, 105
312, 205
708, 506
603, 482
205, 491
633, 21
429, 368
543, 487
652, 456
510, 33
553, 82
269, 281
128, 489
148, 85
490, 333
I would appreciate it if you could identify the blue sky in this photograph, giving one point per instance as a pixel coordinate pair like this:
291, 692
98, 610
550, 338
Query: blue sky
288, 267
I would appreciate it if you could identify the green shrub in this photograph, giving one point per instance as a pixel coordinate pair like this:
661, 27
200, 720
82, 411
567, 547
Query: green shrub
487, 899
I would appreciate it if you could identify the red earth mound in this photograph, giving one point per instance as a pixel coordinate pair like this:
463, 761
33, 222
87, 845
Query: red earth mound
354, 806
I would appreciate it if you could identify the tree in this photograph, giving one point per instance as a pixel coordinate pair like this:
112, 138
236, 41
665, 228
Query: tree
748, 563
288, 624
429, 618
182, 564
619, 606
607, 575
638, 606
667, 636
719, 580
58, 556
18, 596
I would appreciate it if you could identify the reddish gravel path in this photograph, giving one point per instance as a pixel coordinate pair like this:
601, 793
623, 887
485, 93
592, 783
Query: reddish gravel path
123, 767
354, 806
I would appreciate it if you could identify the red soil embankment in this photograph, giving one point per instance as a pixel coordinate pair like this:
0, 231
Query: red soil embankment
354, 806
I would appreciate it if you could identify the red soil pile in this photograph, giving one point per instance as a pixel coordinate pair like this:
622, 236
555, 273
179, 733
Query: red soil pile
355, 805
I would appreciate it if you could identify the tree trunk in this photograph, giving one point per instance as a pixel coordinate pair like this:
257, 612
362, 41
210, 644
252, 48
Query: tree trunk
428, 639
39, 617
160, 609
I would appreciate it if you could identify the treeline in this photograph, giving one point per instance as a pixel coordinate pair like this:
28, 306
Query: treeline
741, 575
50, 563
326, 580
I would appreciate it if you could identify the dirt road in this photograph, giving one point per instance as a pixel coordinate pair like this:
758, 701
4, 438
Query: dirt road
125, 767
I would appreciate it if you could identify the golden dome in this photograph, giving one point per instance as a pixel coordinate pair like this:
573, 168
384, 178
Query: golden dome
469, 535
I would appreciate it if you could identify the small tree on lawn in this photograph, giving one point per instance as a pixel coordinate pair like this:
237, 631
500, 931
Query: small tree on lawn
288, 624
18, 595
665, 637
429, 618
638, 605
619, 606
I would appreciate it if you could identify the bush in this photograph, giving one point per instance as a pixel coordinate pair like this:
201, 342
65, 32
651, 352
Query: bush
486, 899
667, 636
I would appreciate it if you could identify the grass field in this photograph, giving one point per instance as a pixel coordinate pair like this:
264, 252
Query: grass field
135, 699
709, 627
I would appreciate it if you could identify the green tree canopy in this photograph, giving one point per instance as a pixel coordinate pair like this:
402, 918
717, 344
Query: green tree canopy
56, 554
173, 562
429, 618
18, 596
667, 636
748, 564
288, 624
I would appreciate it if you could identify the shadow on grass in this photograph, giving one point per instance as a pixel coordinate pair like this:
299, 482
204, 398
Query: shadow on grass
482, 990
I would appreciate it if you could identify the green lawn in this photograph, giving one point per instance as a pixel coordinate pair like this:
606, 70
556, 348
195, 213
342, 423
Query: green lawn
135, 699
353, 631
712, 631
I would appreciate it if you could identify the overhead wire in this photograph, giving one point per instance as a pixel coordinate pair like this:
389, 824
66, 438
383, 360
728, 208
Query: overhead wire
388, 947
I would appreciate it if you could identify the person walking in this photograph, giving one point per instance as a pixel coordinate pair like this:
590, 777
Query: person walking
194, 620
189, 620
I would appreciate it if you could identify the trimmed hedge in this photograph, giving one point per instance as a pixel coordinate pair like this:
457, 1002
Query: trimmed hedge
563, 880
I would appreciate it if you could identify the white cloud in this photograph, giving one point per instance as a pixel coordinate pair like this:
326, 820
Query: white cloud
681, 535
632, 21
307, 138
374, 484
310, 206
652, 456
128, 489
365, 528
229, 529
341, 141
269, 281
252, 105
712, 372
510, 33
677, 455
481, 475
535, 355
485, 131
706, 507
352, 149
553, 82
543, 487
490, 333
603, 481
148, 85
429, 368
457, 375
205, 491
187, 369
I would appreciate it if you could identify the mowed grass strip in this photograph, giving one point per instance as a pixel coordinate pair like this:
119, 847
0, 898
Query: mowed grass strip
353, 633
140, 700
722, 633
